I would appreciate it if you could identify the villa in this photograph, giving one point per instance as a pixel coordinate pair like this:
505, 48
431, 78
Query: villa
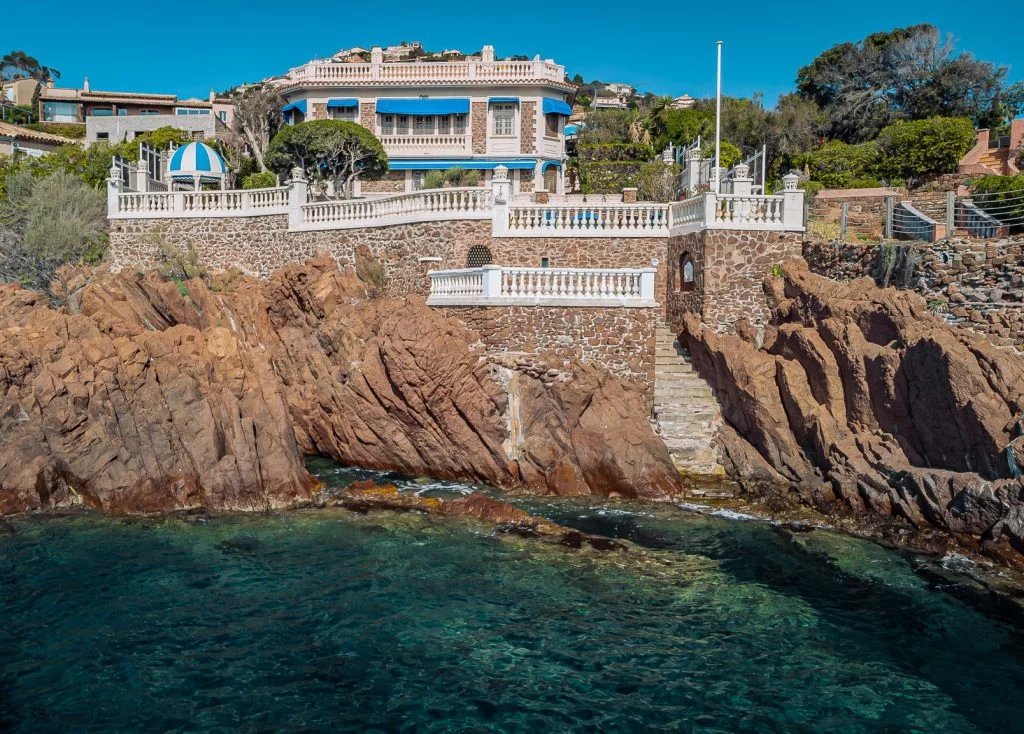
478, 113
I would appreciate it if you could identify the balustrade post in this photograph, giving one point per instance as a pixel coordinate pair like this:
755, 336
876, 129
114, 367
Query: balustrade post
491, 281
297, 195
501, 188
710, 215
792, 203
114, 188
693, 161
142, 176
647, 276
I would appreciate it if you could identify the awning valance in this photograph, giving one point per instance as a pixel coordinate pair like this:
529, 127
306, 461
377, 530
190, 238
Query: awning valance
299, 105
444, 164
504, 100
342, 103
556, 107
414, 106
549, 164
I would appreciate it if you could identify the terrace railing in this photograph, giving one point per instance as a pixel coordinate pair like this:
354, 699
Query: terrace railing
370, 74
235, 203
585, 220
426, 205
497, 285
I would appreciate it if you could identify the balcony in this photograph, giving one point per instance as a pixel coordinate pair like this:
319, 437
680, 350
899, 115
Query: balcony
425, 144
411, 73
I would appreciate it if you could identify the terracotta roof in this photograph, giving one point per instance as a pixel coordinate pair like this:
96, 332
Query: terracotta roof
13, 131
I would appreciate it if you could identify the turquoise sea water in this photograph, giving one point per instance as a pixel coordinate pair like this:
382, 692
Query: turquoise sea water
324, 620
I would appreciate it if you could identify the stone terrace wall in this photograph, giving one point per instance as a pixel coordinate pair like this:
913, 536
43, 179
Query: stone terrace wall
729, 271
260, 245
978, 284
619, 339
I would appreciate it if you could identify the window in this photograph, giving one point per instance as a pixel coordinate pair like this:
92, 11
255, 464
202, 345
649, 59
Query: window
444, 125
551, 180
458, 124
423, 125
342, 113
686, 272
418, 179
101, 112
545, 262
223, 116
551, 125
149, 112
504, 117
60, 111
191, 111
103, 136
387, 124
122, 112
402, 125
478, 256
198, 135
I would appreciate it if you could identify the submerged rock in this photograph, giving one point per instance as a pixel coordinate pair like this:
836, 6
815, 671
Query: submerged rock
865, 403
155, 398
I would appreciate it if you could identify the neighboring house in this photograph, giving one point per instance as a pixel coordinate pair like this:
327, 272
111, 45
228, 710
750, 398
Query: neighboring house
682, 103
473, 114
604, 102
19, 140
18, 91
119, 116
617, 89
993, 155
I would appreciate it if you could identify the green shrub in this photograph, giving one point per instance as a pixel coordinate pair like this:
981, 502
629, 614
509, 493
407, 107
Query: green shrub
810, 187
730, 155
72, 130
1002, 197
456, 176
260, 180
658, 181
837, 165
608, 177
914, 150
614, 152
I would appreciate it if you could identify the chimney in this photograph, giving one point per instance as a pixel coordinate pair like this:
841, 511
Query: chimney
49, 83
487, 54
212, 95
376, 55
85, 85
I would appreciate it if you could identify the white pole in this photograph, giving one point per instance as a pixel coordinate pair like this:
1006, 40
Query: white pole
718, 124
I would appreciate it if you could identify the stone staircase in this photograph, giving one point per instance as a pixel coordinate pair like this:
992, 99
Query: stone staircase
687, 415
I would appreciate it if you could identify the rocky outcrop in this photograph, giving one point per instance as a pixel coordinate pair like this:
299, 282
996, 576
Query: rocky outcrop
154, 396
864, 402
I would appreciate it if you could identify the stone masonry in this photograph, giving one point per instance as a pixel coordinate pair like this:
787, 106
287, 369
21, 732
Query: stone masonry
528, 128
619, 339
478, 127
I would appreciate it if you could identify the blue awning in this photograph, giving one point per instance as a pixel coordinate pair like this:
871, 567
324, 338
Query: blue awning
444, 164
300, 105
556, 107
504, 100
548, 164
415, 106
571, 129
342, 103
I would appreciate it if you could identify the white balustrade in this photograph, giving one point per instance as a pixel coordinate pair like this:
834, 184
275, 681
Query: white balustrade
333, 72
427, 144
426, 205
752, 212
497, 285
587, 220
234, 203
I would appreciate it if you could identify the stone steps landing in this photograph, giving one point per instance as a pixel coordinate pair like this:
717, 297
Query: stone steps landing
686, 414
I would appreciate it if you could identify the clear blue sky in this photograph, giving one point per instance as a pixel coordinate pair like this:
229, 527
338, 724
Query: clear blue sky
664, 47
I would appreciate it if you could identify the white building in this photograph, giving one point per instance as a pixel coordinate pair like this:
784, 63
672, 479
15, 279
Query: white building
473, 114
619, 89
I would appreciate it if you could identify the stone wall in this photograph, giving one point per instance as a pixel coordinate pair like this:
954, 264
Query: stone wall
619, 339
729, 272
368, 115
528, 128
977, 284
392, 182
478, 127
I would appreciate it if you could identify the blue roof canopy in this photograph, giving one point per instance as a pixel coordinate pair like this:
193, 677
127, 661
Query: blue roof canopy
556, 107
415, 106
299, 105
571, 129
443, 164
549, 164
342, 103
500, 100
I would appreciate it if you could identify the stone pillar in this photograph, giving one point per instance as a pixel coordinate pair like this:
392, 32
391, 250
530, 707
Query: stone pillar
487, 54
792, 203
710, 209
693, 161
492, 281
501, 187
297, 195
114, 188
647, 283
142, 176
629, 196
741, 182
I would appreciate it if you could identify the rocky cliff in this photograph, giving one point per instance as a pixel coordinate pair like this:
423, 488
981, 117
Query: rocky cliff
152, 396
863, 402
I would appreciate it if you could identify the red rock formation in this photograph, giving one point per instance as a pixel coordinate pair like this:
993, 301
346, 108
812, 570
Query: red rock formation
862, 400
151, 399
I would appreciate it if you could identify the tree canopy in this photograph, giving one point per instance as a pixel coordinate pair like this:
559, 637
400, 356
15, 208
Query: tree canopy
19, 65
335, 151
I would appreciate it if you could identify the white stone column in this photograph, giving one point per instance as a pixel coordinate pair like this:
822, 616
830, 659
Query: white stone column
142, 176
710, 209
647, 283
492, 281
741, 183
792, 203
693, 161
297, 195
501, 188
114, 188
376, 60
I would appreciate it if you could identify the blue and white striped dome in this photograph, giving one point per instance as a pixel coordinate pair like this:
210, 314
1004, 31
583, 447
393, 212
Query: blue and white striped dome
196, 159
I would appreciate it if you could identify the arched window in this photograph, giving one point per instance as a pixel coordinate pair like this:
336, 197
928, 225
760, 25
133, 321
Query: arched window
478, 256
686, 272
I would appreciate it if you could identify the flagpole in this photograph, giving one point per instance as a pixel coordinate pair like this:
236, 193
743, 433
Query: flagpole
718, 124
